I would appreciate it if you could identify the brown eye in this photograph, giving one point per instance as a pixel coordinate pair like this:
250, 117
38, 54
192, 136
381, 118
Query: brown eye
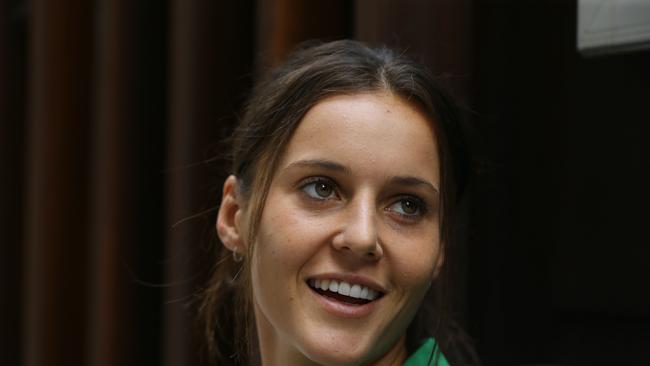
319, 189
323, 189
409, 207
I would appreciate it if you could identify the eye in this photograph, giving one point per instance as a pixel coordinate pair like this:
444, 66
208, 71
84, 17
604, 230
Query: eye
319, 188
408, 207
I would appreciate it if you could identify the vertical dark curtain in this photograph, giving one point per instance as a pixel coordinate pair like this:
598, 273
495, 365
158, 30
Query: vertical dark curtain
12, 119
56, 221
127, 197
112, 118
211, 58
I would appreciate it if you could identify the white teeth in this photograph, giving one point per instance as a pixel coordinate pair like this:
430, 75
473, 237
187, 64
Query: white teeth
355, 291
324, 284
334, 286
345, 288
364, 293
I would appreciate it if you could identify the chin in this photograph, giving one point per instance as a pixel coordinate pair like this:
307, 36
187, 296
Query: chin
337, 353
331, 358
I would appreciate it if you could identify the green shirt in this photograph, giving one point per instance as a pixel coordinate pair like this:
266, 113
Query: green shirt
422, 354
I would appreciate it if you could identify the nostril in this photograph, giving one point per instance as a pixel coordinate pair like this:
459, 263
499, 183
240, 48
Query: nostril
374, 252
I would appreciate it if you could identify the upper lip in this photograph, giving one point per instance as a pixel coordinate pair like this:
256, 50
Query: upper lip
351, 278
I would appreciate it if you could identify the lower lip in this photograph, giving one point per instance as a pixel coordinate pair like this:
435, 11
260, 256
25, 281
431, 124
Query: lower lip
341, 309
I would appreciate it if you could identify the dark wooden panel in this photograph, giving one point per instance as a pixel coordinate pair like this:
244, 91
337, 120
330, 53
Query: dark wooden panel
212, 46
56, 221
13, 32
127, 197
283, 24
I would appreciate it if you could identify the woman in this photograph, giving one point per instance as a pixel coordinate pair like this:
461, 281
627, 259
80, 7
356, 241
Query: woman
335, 221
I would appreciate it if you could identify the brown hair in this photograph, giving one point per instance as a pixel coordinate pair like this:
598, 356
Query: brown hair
274, 110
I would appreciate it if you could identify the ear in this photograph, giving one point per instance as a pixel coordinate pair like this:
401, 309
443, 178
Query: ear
229, 225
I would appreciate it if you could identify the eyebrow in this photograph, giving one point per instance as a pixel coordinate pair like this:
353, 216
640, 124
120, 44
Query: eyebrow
413, 182
408, 181
318, 163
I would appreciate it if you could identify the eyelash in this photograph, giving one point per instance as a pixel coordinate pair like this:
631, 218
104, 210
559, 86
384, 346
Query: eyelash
421, 206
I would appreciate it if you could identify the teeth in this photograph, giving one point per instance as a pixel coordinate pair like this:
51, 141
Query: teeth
324, 284
355, 291
364, 293
344, 288
334, 286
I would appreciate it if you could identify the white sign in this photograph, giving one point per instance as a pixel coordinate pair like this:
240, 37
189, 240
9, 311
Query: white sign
610, 26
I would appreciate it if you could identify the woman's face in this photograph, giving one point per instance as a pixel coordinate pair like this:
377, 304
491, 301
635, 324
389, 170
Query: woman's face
349, 241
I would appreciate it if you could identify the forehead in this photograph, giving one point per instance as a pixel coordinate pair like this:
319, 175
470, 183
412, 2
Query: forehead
374, 133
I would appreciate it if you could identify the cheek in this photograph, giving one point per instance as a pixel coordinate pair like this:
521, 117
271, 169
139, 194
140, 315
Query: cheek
270, 267
286, 241
283, 238
290, 233
414, 263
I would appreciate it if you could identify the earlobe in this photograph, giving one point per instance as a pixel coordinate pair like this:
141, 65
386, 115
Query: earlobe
229, 217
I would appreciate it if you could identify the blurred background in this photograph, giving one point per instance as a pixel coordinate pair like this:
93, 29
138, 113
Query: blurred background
112, 114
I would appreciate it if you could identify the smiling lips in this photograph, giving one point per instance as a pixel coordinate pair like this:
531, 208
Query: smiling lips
349, 293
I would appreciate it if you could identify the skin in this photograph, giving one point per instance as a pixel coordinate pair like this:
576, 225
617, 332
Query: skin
356, 192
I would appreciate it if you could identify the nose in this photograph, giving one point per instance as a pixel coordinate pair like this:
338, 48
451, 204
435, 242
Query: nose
360, 233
